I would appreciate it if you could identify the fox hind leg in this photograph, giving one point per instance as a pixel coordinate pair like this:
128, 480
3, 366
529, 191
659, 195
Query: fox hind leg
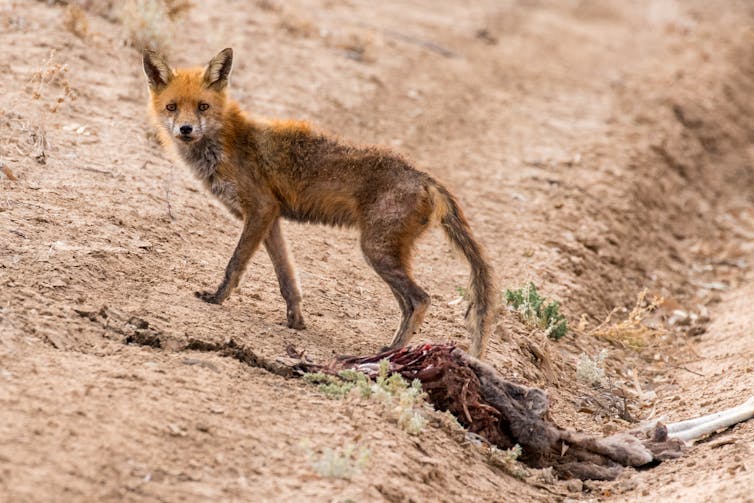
390, 262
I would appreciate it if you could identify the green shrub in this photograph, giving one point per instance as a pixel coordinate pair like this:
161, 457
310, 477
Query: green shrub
538, 311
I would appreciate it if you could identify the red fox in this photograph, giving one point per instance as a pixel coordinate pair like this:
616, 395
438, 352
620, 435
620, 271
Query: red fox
263, 171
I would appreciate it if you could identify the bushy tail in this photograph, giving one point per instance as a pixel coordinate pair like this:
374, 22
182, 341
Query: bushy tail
481, 292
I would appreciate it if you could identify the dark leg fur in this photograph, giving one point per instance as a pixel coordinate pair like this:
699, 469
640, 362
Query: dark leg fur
255, 229
286, 273
390, 262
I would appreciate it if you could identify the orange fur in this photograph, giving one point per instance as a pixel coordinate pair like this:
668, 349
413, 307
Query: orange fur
290, 126
266, 170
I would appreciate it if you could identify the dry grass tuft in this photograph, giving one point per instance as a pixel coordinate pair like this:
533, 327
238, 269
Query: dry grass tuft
296, 24
268, 5
51, 75
177, 8
75, 21
149, 23
634, 331
102, 8
357, 46
49, 87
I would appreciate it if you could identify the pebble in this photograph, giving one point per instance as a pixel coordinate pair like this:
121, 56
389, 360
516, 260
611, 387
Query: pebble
575, 485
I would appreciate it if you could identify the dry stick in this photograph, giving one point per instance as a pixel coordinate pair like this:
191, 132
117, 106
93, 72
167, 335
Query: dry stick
167, 200
168, 183
684, 368
94, 170
425, 44
7, 172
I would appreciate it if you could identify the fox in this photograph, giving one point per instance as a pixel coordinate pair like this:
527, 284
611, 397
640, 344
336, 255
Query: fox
264, 170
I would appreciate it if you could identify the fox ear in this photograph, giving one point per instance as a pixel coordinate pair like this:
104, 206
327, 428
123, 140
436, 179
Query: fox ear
157, 70
218, 70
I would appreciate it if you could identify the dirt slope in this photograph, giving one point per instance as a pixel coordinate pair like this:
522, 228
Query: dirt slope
598, 149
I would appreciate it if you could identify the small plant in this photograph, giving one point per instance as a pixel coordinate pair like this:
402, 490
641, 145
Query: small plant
340, 385
537, 311
341, 463
401, 401
177, 8
589, 370
506, 459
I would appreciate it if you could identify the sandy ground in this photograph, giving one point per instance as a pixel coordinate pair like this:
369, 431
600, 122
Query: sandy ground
597, 148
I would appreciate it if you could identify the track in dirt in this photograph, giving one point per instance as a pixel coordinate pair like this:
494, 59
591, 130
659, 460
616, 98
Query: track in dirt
598, 149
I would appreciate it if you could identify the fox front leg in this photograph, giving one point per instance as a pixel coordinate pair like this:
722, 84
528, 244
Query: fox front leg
286, 273
254, 230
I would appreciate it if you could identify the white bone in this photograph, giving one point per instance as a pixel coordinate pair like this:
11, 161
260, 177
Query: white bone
690, 423
692, 429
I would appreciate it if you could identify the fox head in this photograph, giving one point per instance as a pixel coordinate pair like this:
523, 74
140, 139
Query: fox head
188, 104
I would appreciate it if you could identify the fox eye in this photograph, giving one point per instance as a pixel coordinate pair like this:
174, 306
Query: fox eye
171, 107
203, 106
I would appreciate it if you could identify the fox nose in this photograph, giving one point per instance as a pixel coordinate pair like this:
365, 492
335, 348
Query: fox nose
186, 129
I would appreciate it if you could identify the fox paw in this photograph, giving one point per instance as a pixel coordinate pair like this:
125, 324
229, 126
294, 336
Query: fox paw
208, 297
296, 320
296, 324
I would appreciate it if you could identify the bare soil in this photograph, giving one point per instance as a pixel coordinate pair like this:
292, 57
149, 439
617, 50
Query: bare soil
598, 149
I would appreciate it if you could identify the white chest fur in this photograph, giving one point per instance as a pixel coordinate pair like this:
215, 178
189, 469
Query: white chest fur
203, 158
